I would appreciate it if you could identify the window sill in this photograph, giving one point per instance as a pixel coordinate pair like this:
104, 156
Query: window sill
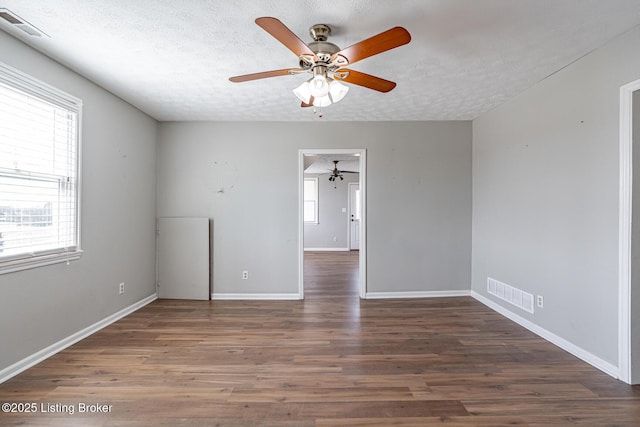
38, 261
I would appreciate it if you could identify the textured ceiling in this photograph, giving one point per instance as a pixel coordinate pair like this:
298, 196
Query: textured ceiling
172, 58
323, 163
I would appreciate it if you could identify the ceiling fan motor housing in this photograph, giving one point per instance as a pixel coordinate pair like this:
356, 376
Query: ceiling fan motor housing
323, 47
320, 46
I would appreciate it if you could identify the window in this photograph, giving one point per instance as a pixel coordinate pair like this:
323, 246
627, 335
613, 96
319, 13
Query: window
311, 200
39, 179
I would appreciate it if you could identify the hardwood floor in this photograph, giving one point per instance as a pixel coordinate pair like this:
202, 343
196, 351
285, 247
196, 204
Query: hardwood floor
330, 360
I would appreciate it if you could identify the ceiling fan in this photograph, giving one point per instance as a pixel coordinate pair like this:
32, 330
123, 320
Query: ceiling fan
327, 62
335, 173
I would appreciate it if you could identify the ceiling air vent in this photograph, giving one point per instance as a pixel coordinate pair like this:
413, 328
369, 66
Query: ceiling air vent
19, 23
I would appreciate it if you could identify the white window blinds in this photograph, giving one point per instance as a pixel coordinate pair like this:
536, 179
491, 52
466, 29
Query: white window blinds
39, 151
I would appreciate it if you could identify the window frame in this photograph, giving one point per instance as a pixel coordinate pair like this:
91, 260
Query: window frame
20, 81
317, 202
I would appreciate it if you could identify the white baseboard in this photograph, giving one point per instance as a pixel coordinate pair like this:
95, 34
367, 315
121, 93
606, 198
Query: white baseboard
327, 249
277, 297
34, 359
580, 353
417, 294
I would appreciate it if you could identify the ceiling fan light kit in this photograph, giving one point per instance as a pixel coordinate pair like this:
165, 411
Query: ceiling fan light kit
326, 62
321, 91
336, 173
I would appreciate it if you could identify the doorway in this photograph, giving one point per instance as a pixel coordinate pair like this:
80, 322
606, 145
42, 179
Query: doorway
305, 159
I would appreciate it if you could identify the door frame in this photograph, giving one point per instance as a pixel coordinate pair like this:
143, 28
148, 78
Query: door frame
362, 261
625, 230
349, 208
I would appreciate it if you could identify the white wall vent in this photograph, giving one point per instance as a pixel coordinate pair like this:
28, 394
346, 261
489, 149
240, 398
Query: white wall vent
508, 293
21, 24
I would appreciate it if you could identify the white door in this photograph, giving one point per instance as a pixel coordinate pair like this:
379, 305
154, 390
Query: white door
354, 216
183, 258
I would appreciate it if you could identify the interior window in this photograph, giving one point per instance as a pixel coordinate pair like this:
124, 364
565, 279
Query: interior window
311, 200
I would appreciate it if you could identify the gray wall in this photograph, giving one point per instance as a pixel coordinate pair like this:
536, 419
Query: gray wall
41, 306
545, 196
244, 176
332, 221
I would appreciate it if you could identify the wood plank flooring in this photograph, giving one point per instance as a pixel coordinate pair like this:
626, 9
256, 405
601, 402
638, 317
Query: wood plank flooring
330, 360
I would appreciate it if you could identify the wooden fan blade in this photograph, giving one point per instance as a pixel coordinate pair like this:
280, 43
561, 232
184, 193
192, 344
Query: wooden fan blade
366, 80
263, 75
305, 105
285, 36
390, 39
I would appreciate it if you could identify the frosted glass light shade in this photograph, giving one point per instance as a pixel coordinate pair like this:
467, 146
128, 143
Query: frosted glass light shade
322, 101
303, 92
319, 86
337, 90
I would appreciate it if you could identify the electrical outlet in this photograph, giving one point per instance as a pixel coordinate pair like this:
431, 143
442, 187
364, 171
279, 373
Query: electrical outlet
245, 275
539, 301
121, 288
